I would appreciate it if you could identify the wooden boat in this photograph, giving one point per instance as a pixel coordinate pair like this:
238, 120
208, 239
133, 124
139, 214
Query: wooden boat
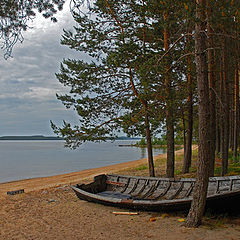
158, 194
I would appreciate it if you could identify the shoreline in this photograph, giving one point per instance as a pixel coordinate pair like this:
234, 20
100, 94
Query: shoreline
34, 184
38, 183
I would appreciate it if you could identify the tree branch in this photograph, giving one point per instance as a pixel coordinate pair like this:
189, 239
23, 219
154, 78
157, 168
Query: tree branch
173, 45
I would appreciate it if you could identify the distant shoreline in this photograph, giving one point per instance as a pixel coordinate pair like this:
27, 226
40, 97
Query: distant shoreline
37, 137
41, 137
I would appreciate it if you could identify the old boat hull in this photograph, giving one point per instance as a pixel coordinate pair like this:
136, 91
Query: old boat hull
158, 194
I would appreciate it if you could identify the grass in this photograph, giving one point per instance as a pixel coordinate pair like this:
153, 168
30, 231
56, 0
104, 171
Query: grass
177, 172
141, 167
233, 166
160, 167
234, 169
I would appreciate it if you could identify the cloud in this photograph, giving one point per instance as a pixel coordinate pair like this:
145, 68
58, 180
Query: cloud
40, 93
28, 83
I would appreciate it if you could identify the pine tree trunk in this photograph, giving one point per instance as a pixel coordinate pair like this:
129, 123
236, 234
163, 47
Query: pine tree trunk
149, 147
226, 113
236, 116
188, 153
169, 112
231, 108
184, 133
218, 141
212, 84
221, 119
218, 105
170, 147
200, 190
231, 116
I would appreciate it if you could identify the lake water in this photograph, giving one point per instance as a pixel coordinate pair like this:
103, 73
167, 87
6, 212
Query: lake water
29, 159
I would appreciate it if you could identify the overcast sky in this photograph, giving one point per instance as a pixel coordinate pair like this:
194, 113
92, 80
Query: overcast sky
28, 85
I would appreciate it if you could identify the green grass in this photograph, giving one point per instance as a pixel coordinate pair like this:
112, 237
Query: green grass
141, 167
217, 171
234, 168
177, 172
160, 164
192, 169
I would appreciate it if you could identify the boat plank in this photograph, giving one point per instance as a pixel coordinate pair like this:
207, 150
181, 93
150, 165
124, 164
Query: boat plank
177, 192
141, 188
151, 190
164, 192
126, 186
157, 193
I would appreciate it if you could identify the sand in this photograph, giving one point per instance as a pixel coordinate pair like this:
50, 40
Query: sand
50, 210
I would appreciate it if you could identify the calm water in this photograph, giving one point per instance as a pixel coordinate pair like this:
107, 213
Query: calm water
29, 159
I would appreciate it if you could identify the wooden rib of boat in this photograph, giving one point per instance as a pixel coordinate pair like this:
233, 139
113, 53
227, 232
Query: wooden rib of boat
158, 194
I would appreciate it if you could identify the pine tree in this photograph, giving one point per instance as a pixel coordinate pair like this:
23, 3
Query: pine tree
200, 190
15, 15
112, 92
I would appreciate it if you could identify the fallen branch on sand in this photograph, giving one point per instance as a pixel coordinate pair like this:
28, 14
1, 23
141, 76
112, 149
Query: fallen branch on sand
125, 213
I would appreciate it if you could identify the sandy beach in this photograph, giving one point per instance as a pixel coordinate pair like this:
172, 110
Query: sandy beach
48, 209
